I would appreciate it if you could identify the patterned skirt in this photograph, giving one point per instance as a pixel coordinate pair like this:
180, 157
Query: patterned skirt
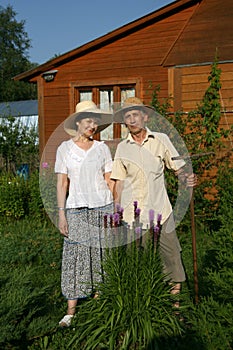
82, 252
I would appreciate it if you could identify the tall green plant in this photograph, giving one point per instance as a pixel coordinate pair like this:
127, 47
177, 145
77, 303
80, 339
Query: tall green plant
13, 197
134, 308
210, 109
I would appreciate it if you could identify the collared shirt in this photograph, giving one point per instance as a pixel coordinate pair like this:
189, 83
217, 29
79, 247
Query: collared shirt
141, 166
85, 170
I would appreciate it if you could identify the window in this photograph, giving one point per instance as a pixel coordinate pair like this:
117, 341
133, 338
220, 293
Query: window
106, 96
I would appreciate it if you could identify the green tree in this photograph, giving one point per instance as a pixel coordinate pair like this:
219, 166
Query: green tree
14, 45
18, 145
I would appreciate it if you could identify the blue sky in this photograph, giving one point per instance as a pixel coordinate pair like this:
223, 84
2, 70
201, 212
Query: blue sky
56, 27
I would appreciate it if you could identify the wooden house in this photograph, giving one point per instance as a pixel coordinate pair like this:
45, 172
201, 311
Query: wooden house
173, 47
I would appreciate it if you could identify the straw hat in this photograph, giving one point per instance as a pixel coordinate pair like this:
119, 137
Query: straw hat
132, 103
87, 109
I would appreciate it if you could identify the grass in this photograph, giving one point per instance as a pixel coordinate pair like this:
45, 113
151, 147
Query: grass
134, 308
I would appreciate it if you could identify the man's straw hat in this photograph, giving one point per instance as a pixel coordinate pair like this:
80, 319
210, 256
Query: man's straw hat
87, 109
129, 104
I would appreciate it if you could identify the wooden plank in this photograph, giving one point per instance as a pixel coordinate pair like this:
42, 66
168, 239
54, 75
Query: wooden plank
197, 69
195, 87
191, 79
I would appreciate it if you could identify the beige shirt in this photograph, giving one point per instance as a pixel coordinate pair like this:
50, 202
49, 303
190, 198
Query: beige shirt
142, 169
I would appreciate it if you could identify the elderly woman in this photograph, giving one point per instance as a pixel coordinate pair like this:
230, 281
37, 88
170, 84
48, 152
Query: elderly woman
84, 196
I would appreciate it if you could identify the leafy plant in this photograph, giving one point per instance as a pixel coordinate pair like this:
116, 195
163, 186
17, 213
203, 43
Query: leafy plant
134, 308
29, 281
13, 194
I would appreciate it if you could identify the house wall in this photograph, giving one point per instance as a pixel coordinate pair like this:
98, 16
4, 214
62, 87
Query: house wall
209, 30
137, 57
147, 54
187, 86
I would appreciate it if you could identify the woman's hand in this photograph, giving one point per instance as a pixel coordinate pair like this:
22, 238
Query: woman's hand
62, 224
62, 186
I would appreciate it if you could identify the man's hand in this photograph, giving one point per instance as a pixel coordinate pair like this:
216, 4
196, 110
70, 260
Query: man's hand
191, 180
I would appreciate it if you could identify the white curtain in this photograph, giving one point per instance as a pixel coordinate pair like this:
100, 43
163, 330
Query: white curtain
125, 93
106, 103
85, 96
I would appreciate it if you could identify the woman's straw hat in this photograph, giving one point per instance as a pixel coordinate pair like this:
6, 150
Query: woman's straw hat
129, 104
87, 109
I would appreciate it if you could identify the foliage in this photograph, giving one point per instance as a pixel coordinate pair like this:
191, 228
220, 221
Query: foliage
210, 108
212, 321
13, 197
20, 198
18, 144
133, 299
134, 308
199, 130
30, 273
14, 44
219, 271
48, 190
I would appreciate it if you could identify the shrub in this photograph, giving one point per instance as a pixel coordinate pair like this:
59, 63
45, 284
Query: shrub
13, 196
20, 198
36, 208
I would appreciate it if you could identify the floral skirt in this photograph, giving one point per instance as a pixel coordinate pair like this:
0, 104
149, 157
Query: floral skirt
82, 251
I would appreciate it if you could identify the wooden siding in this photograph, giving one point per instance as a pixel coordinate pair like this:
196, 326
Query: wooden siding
193, 82
210, 28
190, 85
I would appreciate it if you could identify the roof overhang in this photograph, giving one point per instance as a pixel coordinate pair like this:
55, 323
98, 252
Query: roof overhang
105, 39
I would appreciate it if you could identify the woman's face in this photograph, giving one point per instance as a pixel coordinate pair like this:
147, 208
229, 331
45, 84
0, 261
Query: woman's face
87, 126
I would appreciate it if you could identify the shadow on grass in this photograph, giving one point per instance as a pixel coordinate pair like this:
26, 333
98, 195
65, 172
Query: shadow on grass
184, 342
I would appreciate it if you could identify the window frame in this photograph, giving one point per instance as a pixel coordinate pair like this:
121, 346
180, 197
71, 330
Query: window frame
95, 86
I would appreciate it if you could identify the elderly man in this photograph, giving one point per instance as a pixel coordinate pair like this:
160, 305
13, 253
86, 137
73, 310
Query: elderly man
138, 174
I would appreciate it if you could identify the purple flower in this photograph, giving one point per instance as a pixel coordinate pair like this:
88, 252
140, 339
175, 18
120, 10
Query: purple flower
135, 203
105, 220
156, 232
45, 165
151, 215
137, 212
159, 218
116, 219
118, 207
138, 231
111, 220
121, 213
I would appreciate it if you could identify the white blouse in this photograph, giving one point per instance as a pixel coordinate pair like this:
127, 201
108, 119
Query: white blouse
85, 170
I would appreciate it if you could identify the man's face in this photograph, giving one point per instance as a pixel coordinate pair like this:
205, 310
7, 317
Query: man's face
135, 120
